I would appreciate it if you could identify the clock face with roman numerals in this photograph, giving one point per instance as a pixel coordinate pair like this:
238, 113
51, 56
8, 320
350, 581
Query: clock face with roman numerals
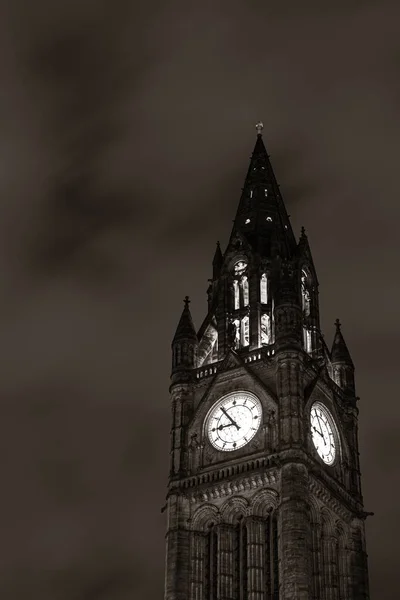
322, 433
233, 421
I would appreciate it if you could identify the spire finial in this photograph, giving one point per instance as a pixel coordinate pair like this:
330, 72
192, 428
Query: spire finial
303, 231
186, 301
338, 324
260, 127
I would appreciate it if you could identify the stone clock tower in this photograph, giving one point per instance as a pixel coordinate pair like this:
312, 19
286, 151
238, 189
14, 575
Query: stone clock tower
264, 497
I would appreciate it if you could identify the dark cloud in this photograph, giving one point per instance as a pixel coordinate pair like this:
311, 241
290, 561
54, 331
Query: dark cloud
126, 133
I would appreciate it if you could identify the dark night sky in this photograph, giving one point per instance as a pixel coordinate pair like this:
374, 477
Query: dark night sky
125, 138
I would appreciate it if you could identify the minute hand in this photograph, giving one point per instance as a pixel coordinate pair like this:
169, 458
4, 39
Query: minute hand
230, 418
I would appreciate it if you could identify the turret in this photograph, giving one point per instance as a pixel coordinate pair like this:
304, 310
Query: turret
342, 364
184, 344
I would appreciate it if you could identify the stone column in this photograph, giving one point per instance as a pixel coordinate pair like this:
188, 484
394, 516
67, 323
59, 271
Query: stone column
177, 550
294, 533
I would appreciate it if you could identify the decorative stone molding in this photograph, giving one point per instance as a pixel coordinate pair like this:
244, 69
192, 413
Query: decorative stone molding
263, 501
233, 508
229, 488
204, 516
328, 499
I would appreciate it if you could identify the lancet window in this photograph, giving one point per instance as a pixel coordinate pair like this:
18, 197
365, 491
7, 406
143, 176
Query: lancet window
211, 564
245, 290
307, 340
236, 292
264, 289
240, 285
241, 561
305, 293
245, 333
266, 329
271, 560
306, 309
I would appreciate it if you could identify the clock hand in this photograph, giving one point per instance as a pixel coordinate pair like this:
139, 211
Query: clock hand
323, 437
230, 418
316, 430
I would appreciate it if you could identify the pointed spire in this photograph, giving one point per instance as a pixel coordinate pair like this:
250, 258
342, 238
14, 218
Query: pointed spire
185, 329
261, 214
340, 352
217, 261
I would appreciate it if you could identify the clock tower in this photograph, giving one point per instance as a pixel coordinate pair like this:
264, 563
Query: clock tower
264, 496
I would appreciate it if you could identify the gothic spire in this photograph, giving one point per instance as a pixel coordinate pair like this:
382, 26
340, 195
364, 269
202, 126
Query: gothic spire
340, 352
185, 329
217, 261
261, 215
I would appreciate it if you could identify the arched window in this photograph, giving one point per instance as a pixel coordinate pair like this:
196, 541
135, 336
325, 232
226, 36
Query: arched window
245, 331
211, 564
236, 341
266, 333
307, 340
271, 558
241, 561
305, 293
264, 289
236, 294
245, 288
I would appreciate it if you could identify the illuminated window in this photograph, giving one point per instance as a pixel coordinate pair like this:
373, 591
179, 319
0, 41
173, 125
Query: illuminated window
305, 293
240, 267
251, 193
266, 192
245, 287
264, 289
269, 218
307, 340
247, 221
236, 323
245, 331
266, 332
236, 294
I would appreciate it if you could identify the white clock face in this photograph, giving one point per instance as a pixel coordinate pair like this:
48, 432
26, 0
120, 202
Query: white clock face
322, 433
233, 421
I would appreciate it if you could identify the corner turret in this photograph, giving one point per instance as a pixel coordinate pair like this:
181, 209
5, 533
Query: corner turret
184, 344
342, 364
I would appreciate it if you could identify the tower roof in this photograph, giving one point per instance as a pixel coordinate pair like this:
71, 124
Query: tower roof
340, 353
185, 329
217, 260
261, 215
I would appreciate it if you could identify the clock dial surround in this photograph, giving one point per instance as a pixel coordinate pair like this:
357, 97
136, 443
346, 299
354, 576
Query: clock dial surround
233, 421
323, 433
